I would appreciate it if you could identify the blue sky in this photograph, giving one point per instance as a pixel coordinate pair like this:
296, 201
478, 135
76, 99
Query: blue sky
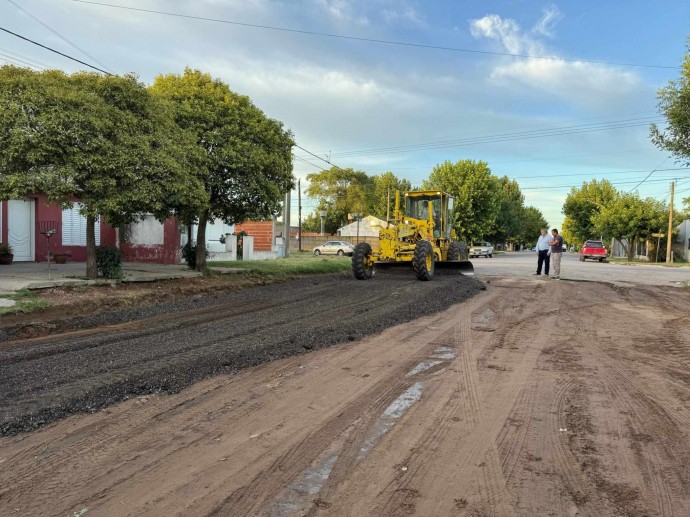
548, 123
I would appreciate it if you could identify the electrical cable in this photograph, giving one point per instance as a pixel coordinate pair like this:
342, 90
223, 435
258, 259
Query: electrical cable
19, 62
17, 55
53, 50
501, 137
63, 38
369, 40
317, 156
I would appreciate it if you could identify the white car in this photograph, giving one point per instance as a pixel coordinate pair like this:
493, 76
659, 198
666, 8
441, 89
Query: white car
339, 248
481, 249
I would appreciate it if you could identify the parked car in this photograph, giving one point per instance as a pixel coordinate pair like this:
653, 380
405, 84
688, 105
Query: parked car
334, 248
481, 249
593, 250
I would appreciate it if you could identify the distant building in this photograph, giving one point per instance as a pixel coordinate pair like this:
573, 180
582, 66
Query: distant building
369, 226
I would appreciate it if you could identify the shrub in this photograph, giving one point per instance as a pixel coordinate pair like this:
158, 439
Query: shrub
189, 255
5, 249
109, 261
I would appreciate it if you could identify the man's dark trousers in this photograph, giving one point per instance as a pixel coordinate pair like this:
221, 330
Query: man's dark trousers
543, 259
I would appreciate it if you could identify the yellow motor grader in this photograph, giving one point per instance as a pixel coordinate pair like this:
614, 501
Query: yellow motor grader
422, 237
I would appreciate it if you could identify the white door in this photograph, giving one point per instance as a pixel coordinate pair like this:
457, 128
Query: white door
20, 225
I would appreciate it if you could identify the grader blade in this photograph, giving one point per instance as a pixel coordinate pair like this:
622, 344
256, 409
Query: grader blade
461, 266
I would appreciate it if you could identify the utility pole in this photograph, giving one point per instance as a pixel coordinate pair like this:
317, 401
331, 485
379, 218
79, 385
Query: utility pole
286, 224
299, 216
670, 226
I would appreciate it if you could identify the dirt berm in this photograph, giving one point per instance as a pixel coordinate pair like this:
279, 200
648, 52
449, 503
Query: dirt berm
166, 347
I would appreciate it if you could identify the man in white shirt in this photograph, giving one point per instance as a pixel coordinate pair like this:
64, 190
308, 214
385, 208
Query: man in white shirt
543, 252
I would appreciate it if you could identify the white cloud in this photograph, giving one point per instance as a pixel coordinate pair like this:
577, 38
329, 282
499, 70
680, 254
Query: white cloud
403, 11
576, 81
551, 16
343, 10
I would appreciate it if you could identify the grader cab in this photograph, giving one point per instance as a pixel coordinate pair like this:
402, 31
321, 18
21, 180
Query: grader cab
421, 236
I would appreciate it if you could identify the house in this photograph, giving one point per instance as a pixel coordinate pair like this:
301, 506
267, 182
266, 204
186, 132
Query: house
32, 225
681, 246
368, 226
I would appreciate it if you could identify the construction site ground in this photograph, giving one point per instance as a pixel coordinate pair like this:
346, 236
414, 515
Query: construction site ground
499, 394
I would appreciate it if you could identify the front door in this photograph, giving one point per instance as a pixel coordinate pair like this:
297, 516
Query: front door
20, 225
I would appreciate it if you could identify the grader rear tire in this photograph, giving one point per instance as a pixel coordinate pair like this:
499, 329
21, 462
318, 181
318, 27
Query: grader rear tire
362, 266
423, 261
458, 251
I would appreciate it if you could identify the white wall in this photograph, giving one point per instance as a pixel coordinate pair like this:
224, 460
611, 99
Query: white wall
147, 231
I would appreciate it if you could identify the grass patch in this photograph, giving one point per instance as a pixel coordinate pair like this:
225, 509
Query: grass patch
297, 263
27, 301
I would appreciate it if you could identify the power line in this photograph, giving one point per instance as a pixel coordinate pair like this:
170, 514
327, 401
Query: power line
317, 156
572, 186
596, 173
369, 40
648, 176
17, 55
53, 50
63, 38
502, 137
17, 61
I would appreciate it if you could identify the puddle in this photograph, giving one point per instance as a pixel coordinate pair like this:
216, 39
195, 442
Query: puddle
392, 413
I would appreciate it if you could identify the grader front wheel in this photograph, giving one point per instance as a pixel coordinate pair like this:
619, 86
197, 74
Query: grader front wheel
458, 251
362, 265
423, 261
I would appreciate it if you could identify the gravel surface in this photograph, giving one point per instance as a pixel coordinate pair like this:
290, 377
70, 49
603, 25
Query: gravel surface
164, 348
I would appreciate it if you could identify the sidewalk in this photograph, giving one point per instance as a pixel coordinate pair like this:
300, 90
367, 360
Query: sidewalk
35, 275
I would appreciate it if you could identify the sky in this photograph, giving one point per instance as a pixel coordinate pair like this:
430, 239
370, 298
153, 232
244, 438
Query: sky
550, 94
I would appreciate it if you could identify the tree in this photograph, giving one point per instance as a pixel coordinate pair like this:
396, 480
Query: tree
583, 204
247, 165
630, 219
341, 192
384, 185
102, 139
509, 223
477, 195
532, 222
674, 104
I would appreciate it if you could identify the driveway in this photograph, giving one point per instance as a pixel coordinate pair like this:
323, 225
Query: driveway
37, 275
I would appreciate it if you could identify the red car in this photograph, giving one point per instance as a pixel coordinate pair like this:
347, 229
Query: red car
593, 250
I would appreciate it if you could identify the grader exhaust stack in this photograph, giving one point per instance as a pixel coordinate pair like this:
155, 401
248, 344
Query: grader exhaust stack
421, 236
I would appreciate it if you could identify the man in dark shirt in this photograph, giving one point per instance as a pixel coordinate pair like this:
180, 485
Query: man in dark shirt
556, 253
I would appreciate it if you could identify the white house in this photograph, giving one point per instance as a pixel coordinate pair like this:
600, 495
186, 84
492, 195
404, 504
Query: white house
369, 226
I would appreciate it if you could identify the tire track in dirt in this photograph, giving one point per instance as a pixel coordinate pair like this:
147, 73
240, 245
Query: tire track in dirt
656, 424
356, 420
84, 372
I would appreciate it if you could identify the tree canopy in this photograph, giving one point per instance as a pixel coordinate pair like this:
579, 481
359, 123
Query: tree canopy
247, 157
674, 104
629, 219
102, 139
477, 195
581, 206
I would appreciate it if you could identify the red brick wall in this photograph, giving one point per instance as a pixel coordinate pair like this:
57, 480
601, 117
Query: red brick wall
262, 231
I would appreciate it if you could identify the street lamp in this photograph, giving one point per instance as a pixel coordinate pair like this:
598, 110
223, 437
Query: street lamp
322, 213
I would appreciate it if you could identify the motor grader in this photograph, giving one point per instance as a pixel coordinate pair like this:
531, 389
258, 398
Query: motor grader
421, 236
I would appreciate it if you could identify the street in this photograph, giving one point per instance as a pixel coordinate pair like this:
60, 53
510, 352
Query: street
532, 397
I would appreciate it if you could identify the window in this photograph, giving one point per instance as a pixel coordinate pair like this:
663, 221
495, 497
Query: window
74, 227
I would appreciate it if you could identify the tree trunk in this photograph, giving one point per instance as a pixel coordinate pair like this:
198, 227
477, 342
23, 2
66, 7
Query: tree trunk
201, 243
631, 250
91, 266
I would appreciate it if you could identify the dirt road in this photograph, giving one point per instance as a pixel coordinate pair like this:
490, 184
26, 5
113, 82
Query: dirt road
535, 397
